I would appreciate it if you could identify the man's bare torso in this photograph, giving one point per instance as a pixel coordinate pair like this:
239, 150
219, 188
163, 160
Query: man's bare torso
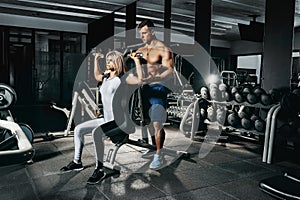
153, 57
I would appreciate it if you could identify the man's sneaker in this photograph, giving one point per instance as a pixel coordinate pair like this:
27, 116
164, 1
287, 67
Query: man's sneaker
156, 162
148, 154
72, 166
96, 177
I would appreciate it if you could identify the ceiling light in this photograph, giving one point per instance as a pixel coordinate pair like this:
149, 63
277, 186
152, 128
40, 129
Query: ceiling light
120, 20
120, 13
43, 10
218, 28
218, 33
242, 4
226, 26
148, 17
66, 6
106, 2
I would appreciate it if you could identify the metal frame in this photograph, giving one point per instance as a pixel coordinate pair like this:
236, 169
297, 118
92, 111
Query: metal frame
270, 133
88, 105
230, 76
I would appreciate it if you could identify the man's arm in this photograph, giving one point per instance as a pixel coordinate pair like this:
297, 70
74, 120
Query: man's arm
136, 79
167, 63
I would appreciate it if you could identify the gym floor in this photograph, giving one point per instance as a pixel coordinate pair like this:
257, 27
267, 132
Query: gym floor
231, 170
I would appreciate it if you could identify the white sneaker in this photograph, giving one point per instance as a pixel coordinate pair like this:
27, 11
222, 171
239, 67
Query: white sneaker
157, 162
148, 154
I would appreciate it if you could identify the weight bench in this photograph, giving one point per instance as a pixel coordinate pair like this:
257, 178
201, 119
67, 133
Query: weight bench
123, 138
23, 153
283, 186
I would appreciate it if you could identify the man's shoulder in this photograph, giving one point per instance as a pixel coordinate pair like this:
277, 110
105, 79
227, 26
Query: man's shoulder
144, 48
161, 45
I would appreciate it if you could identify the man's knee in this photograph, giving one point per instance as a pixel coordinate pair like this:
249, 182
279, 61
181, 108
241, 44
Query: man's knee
157, 126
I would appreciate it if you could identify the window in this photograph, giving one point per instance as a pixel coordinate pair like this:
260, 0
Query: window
250, 64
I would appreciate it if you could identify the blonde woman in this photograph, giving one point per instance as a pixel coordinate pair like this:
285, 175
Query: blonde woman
115, 67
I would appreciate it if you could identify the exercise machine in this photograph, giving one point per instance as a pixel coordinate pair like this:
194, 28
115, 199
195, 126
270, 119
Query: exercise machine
289, 105
88, 101
120, 135
270, 133
284, 186
15, 139
229, 77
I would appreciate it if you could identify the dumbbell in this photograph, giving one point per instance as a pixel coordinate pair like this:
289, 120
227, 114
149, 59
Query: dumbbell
221, 115
204, 92
238, 97
266, 99
251, 98
258, 91
233, 119
215, 94
181, 112
234, 89
213, 85
246, 123
275, 94
254, 117
211, 114
244, 112
260, 125
228, 96
246, 90
223, 90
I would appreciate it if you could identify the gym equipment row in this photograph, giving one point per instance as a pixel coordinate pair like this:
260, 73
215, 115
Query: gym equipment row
15, 139
224, 106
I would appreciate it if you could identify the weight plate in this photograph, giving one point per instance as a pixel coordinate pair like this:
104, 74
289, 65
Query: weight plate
28, 131
8, 96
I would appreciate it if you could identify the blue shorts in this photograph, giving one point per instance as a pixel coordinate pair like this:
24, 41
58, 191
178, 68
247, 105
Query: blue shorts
154, 100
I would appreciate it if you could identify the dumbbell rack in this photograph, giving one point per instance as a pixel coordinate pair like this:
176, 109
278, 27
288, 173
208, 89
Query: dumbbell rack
250, 134
244, 133
181, 102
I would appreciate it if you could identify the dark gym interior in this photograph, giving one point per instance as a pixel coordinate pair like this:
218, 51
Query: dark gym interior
245, 107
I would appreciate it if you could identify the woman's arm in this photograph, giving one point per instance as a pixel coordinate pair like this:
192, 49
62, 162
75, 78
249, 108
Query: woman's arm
97, 72
131, 79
